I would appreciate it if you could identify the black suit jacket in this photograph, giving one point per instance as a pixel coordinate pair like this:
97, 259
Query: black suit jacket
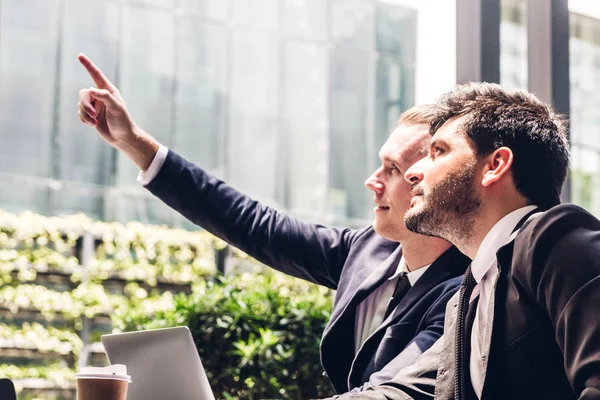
545, 336
354, 262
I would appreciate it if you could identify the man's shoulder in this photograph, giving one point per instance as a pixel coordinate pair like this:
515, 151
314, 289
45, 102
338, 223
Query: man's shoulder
562, 228
557, 222
368, 237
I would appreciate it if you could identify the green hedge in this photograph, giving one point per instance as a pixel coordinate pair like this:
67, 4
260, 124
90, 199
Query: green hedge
258, 335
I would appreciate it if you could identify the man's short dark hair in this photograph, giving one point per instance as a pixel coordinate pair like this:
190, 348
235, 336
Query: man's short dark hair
495, 117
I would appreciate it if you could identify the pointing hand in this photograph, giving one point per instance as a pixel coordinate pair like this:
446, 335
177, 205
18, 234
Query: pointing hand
104, 108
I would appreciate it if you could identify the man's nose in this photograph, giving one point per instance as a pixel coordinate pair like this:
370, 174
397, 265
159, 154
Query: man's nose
414, 174
374, 183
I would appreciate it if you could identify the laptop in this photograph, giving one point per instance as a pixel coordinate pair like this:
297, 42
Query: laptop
162, 363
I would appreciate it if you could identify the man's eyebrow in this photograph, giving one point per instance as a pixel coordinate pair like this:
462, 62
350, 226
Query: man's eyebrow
386, 156
438, 142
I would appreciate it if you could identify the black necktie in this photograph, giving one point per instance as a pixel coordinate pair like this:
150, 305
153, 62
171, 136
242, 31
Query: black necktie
402, 287
466, 289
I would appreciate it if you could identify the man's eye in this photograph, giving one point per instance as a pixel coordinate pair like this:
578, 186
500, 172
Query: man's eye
436, 151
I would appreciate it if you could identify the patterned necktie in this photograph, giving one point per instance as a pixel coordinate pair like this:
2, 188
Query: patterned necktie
402, 287
466, 289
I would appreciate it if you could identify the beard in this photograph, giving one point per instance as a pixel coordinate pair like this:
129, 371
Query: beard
448, 211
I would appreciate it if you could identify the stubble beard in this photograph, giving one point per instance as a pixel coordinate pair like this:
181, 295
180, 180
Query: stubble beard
449, 210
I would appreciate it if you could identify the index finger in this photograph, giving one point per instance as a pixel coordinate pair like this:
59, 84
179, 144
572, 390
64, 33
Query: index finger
100, 80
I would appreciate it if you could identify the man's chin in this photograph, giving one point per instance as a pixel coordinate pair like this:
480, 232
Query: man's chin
416, 201
414, 219
378, 226
416, 206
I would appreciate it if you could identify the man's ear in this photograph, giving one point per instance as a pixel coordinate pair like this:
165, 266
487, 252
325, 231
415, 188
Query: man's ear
497, 165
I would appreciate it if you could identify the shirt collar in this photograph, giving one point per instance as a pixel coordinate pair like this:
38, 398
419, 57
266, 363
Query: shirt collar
413, 276
497, 237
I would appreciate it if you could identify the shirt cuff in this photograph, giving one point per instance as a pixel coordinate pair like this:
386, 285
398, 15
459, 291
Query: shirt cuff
145, 177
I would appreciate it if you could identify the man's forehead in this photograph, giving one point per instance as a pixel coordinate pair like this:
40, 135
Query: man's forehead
450, 131
409, 135
405, 139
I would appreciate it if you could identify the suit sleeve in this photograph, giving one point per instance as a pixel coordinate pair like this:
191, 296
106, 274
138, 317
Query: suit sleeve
565, 280
308, 251
424, 339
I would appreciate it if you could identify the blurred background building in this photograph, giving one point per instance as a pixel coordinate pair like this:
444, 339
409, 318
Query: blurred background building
287, 100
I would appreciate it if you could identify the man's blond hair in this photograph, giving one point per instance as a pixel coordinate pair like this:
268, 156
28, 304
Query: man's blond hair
422, 114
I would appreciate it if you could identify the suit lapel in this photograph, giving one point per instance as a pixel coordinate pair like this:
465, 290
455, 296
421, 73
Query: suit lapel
449, 264
341, 327
378, 276
503, 259
444, 383
365, 285
486, 342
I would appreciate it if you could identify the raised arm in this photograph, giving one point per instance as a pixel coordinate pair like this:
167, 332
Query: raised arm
308, 251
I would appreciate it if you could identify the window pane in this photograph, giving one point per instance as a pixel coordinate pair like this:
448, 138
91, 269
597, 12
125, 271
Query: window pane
146, 77
353, 22
513, 44
75, 197
28, 54
585, 78
201, 92
162, 3
90, 27
585, 115
263, 14
217, 9
394, 93
147, 86
306, 18
396, 29
253, 117
305, 127
124, 205
348, 198
585, 178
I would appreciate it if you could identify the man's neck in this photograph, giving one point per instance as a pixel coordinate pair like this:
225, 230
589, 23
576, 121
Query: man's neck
419, 251
483, 224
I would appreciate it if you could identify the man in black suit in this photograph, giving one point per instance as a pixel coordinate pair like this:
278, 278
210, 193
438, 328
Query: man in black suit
390, 299
526, 322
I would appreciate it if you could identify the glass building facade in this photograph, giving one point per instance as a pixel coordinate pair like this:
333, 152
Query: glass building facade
584, 65
287, 100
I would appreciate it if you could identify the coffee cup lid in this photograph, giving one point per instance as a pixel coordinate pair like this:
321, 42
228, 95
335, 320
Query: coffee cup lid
107, 377
116, 371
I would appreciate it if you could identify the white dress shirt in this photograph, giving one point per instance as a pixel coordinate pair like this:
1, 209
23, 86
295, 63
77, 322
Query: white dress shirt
485, 270
145, 177
370, 312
